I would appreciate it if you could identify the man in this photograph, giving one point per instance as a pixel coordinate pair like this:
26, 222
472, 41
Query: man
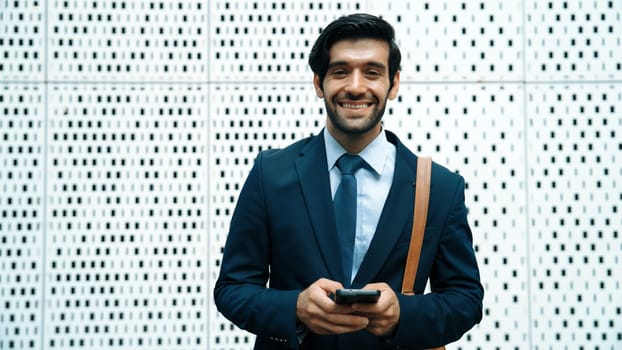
285, 253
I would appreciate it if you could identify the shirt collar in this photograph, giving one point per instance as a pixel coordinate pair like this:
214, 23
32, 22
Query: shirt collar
374, 154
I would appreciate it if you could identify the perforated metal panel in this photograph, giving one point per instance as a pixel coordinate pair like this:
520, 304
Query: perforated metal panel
126, 232
128, 127
127, 41
22, 41
573, 40
574, 196
22, 208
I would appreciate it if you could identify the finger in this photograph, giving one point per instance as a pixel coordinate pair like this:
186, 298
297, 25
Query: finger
327, 285
339, 324
381, 330
379, 285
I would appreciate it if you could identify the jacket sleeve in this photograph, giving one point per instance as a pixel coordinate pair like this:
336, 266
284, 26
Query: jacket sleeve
240, 293
455, 303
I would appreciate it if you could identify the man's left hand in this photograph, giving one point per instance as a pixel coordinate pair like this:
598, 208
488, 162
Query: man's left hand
384, 315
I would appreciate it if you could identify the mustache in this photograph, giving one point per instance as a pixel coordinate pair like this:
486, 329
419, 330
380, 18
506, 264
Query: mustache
352, 97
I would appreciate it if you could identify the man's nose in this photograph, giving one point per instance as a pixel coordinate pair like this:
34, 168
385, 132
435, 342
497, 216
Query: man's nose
356, 83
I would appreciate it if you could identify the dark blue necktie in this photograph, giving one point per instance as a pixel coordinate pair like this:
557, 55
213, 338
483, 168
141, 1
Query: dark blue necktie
345, 209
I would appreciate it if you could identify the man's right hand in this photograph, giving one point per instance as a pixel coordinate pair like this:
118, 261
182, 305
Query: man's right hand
322, 315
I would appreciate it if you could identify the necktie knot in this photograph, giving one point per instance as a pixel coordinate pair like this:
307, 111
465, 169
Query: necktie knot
348, 164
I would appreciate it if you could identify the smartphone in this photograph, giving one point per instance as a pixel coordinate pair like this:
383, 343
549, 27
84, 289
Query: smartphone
351, 296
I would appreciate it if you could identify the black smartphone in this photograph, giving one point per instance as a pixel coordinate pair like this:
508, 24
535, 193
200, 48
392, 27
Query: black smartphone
351, 296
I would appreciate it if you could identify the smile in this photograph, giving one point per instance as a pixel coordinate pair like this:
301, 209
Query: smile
354, 106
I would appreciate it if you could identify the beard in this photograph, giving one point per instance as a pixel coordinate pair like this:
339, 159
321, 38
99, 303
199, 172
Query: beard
343, 126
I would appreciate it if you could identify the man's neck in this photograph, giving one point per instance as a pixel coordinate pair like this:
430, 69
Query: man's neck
355, 143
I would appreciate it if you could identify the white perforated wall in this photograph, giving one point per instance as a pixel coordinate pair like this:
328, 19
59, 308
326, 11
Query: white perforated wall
128, 127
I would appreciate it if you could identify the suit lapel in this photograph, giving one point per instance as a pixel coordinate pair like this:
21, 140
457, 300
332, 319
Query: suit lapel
315, 184
396, 214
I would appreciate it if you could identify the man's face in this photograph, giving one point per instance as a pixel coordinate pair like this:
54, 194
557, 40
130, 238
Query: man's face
356, 87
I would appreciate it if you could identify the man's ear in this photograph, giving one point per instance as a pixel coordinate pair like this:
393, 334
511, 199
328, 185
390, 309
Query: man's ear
396, 86
318, 87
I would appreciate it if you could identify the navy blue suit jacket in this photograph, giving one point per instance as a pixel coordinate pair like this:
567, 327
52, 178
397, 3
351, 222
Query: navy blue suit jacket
282, 238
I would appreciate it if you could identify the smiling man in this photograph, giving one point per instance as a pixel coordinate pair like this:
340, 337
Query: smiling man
335, 211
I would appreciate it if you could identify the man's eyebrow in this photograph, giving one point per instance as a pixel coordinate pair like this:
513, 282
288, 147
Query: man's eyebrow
345, 63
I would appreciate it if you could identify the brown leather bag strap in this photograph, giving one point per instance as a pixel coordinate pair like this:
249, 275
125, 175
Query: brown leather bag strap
420, 215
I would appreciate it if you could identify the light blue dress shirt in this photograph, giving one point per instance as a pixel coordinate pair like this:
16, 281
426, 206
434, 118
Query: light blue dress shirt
373, 184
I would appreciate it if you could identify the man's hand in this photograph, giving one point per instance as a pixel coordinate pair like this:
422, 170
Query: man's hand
321, 315
383, 315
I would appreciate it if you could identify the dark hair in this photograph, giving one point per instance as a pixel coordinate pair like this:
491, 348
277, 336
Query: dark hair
355, 26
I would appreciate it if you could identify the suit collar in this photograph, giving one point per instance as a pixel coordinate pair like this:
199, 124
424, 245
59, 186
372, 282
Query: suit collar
375, 154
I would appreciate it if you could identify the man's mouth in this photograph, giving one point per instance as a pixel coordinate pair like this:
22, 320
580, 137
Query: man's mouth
354, 105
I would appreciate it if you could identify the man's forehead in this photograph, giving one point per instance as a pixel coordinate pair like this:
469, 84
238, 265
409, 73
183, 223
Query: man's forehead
359, 50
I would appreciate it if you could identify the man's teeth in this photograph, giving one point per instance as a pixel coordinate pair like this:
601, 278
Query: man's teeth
355, 106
